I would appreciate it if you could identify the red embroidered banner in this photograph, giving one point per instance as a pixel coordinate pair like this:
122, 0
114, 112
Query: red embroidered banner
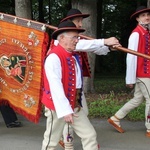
23, 45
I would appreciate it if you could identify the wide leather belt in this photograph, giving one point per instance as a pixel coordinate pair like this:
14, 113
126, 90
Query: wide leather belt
78, 99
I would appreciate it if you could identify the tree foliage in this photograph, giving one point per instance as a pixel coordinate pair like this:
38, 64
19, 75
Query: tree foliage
7, 6
115, 21
53, 10
113, 18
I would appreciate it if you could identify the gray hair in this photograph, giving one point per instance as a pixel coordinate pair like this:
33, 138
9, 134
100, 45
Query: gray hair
58, 37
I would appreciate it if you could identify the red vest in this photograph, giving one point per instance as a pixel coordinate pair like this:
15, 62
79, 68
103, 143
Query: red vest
68, 77
143, 64
85, 62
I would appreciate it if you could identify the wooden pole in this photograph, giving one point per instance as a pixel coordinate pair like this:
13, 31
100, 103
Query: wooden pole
83, 36
123, 49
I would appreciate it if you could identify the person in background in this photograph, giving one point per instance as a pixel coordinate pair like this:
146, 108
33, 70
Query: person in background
138, 70
96, 46
9, 116
62, 90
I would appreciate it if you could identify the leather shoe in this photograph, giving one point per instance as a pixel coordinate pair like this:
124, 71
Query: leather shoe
118, 128
61, 143
14, 124
148, 134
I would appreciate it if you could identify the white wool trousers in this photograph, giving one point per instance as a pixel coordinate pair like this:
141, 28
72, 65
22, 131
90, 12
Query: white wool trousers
82, 127
141, 93
65, 131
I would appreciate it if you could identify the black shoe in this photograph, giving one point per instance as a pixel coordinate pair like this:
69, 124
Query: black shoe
14, 124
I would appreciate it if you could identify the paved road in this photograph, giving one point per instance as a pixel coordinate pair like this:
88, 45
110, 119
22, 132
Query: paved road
30, 136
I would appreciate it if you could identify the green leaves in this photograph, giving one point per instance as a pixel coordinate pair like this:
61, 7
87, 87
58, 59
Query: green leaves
111, 94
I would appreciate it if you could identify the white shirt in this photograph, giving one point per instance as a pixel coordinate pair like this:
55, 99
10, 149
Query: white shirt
54, 76
54, 73
131, 60
96, 46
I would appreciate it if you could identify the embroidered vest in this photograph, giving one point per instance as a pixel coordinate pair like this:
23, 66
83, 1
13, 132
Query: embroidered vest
85, 62
143, 64
68, 77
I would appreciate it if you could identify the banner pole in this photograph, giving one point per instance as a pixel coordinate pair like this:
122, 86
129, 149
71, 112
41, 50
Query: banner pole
120, 48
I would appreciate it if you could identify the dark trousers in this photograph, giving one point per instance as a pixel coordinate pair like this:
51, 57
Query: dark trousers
8, 114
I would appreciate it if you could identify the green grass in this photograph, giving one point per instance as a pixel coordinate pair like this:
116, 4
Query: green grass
111, 94
105, 84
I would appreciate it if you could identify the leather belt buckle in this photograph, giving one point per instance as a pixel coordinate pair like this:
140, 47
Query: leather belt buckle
78, 108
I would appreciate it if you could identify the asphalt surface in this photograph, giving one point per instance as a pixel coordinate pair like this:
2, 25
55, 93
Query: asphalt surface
30, 136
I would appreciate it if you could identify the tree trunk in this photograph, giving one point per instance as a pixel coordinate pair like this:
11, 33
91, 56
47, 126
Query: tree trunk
41, 15
99, 33
90, 25
23, 8
148, 3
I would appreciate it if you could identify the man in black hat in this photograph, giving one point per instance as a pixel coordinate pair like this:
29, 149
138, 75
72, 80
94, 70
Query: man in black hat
138, 70
62, 90
97, 46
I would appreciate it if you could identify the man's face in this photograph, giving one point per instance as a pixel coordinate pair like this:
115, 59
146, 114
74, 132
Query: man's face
69, 40
78, 21
144, 18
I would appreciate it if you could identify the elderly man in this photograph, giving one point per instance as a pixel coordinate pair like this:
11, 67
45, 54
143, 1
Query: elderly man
96, 46
62, 90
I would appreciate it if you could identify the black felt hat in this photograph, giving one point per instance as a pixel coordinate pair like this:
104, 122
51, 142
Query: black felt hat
139, 10
66, 26
72, 13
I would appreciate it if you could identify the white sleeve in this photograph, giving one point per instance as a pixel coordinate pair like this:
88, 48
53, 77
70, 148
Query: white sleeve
54, 76
96, 46
131, 60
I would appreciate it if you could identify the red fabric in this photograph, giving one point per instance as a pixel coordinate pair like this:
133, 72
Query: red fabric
68, 78
85, 64
143, 65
